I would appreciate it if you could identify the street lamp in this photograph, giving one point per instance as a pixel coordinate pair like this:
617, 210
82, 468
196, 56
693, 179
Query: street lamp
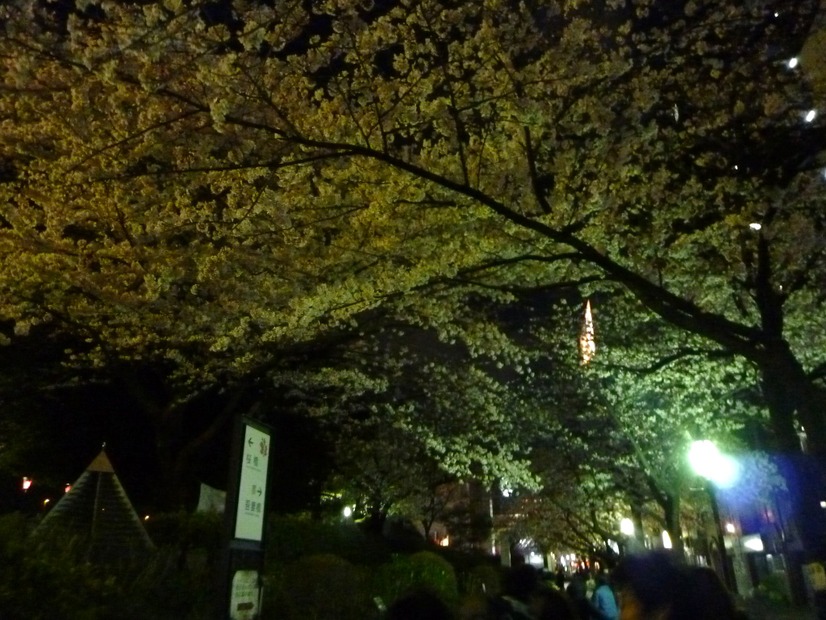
628, 531
719, 471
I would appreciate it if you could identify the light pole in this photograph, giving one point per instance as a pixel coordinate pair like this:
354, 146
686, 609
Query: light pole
718, 470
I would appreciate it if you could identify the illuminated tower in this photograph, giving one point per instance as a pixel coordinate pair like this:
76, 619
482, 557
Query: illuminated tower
587, 342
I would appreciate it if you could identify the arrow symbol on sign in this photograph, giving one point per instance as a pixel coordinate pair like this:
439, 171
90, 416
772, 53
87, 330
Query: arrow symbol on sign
259, 491
249, 443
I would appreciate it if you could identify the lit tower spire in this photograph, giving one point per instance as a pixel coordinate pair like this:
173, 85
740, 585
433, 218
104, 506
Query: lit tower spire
587, 342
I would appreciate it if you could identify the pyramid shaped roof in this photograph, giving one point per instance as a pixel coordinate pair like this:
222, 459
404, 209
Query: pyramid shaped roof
97, 510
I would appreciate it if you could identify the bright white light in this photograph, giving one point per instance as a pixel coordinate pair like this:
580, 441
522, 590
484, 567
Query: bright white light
753, 542
810, 116
703, 456
506, 492
27, 483
776, 14
707, 460
730, 528
755, 225
823, 503
347, 512
727, 472
666, 540
627, 527
792, 63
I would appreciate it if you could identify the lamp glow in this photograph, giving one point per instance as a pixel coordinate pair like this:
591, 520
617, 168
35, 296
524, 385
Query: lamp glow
707, 460
753, 542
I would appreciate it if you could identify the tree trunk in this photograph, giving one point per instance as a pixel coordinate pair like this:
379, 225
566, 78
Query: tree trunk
671, 509
376, 518
792, 396
789, 391
638, 541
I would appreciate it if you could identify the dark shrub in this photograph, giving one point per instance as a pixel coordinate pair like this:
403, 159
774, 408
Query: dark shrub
318, 586
292, 537
406, 573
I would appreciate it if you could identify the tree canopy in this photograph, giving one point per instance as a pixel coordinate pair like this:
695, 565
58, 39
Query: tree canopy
231, 188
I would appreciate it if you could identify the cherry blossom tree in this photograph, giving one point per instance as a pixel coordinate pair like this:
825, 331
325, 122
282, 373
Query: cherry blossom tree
214, 187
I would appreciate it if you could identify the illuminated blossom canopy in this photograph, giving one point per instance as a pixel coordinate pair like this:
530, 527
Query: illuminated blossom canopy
215, 187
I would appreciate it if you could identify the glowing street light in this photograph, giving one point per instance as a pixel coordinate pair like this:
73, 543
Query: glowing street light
27, 483
707, 461
629, 532
347, 512
810, 116
719, 470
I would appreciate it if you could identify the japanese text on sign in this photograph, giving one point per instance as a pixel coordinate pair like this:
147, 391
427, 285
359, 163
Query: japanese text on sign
252, 490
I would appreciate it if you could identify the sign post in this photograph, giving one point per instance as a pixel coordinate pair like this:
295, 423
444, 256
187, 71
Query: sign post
245, 517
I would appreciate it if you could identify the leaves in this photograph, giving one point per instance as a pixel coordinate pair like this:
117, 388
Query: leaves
234, 196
